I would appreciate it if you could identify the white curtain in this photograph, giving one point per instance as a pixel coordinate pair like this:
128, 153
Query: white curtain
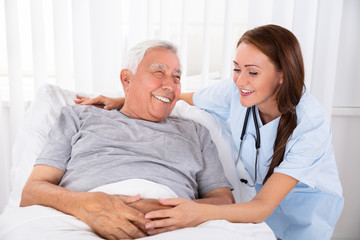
79, 45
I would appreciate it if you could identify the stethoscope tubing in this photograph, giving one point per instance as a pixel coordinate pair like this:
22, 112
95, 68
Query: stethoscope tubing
257, 141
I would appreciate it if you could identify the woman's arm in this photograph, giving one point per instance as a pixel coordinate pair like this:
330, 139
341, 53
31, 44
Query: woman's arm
187, 97
261, 206
112, 103
187, 213
217, 196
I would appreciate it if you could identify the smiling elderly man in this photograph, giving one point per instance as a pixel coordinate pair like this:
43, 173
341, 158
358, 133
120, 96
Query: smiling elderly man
90, 147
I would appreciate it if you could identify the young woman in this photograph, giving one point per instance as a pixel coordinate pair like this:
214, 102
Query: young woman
284, 139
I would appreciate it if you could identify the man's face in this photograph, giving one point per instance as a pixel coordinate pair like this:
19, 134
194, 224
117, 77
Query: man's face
151, 93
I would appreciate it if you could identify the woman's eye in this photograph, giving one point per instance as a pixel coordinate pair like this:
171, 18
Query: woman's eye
236, 70
253, 73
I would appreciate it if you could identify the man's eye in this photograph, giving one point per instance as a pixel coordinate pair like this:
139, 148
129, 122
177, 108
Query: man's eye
253, 73
177, 79
160, 73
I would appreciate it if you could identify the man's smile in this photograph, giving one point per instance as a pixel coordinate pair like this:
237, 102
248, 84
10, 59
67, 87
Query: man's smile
161, 98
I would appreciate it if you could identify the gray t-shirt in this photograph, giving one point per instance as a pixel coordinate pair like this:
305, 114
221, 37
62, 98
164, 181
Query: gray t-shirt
96, 147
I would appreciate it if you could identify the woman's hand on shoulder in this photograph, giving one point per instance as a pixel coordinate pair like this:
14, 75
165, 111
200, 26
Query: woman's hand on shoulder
107, 103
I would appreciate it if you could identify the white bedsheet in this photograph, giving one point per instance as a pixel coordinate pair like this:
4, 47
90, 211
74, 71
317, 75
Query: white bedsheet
43, 223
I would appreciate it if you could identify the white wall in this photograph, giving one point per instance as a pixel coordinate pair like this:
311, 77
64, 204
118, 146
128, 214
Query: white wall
346, 132
346, 120
5, 151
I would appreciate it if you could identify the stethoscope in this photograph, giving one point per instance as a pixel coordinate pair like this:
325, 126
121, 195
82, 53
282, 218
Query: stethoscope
257, 141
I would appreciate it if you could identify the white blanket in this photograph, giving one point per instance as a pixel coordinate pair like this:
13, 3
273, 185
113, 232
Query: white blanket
42, 223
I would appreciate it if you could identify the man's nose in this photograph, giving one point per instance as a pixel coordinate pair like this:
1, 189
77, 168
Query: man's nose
168, 83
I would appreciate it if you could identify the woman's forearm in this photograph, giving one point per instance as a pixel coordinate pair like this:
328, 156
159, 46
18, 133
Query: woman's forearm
187, 97
247, 212
261, 206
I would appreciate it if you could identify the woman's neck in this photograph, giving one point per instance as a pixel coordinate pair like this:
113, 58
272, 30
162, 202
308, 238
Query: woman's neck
268, 113
266, 118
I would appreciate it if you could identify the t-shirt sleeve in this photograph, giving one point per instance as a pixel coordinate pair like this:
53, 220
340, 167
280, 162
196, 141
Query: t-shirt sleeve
57, 150
216, 98
212, 176
309, 146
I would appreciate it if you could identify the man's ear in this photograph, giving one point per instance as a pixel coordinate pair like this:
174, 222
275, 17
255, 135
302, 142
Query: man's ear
125, 76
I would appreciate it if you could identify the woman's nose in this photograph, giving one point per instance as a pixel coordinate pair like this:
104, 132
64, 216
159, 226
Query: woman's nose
239, 79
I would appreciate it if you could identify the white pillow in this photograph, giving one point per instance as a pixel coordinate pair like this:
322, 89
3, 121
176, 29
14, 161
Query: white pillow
32, 136
45, 109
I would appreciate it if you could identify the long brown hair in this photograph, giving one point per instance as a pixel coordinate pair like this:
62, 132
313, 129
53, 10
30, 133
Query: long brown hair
283, 50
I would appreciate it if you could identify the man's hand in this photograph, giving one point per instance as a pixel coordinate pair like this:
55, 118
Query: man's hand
148, 205
110, 217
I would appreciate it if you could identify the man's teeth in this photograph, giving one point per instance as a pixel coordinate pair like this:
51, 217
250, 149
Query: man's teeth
164, 99
247, 91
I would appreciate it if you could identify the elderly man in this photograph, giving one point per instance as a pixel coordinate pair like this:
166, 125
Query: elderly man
89, 147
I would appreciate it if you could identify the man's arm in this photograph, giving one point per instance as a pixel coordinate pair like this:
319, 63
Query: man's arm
219, 196
105, 214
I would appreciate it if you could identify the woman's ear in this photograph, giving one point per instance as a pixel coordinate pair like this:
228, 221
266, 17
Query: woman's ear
281, 80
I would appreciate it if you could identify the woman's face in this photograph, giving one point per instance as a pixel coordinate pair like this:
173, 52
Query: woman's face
256, 78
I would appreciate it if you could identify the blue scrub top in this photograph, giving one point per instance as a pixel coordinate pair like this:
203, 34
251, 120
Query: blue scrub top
312, 208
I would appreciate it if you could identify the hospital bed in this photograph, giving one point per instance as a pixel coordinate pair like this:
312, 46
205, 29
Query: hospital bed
37, 222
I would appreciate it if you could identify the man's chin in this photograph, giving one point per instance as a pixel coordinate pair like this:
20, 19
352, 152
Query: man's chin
159, 116
155, 119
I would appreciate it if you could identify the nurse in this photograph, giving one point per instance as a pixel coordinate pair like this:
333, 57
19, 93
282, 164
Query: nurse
284, 139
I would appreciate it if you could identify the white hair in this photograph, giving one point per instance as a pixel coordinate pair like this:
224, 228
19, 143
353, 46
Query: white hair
137, 53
